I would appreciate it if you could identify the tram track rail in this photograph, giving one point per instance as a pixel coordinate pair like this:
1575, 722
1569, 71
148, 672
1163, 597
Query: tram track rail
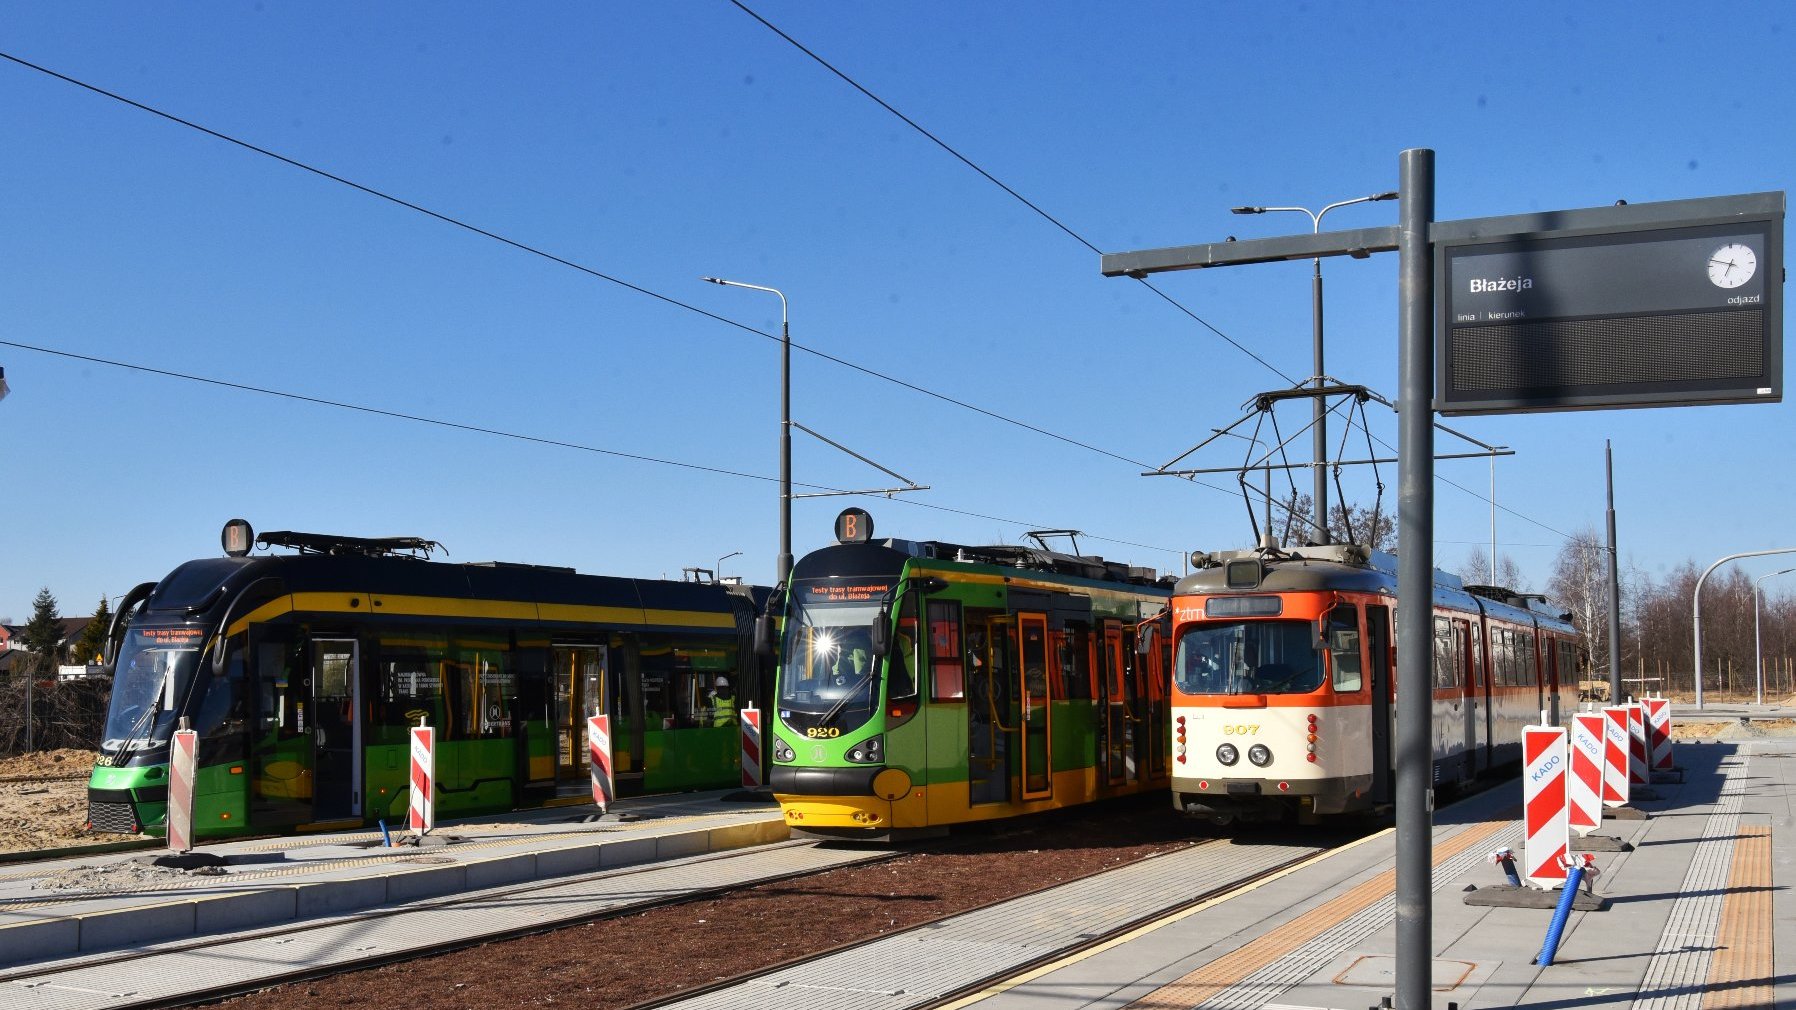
42, 977
1048, 957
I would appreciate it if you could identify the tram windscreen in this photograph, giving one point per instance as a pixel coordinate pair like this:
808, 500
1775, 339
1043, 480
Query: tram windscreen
153, 664
829, 677
1248, 657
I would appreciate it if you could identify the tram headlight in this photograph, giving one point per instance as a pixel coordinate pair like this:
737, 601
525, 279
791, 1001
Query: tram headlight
781, 752
870, 751
1227, 754
1260, 755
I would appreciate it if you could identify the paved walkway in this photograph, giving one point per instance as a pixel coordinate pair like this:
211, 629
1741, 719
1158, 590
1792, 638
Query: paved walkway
1701, 915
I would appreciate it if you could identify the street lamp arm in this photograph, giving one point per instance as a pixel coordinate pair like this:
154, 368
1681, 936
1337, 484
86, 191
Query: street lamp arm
1696, 606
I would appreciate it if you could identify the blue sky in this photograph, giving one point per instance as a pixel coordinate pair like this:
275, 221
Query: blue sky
657, 143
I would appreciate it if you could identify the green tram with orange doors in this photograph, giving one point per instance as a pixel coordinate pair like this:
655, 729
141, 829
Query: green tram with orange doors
923, 685
302, 673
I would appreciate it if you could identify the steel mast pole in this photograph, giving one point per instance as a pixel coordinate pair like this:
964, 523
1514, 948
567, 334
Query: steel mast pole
1614, 583
1415, 582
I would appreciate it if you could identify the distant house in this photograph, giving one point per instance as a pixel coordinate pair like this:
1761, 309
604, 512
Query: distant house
12, 642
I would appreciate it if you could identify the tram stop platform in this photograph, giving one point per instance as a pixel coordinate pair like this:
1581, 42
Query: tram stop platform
1700, 913
59, 908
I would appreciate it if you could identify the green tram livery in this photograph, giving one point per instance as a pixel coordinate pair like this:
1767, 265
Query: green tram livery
923, 685
302, 673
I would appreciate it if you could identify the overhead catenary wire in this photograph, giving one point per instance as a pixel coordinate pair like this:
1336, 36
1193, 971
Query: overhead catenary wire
994, 180
1062, 226
536, 439
561, 260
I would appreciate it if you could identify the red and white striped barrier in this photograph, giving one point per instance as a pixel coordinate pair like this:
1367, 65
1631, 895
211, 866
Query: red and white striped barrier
598, 752
751, 748
1543, 805
1658, 734
1638, 755
1615, 756
183, 762
1584, 783
422, 813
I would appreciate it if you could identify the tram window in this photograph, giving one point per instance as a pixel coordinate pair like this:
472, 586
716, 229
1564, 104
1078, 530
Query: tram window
1075, 659
655, 658
947, 669
481, 688
901, 665
280, 693
1530, 664
1343, 647
411, 685
218, 713
699, 663
1443, 653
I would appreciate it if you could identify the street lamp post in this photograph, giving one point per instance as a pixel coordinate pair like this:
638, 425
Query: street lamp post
1758, 655
720, 561
1319, 436
785, 559
1696, 607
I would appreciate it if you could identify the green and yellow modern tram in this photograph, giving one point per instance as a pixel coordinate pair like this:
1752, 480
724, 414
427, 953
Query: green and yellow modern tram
928, 684
303, 671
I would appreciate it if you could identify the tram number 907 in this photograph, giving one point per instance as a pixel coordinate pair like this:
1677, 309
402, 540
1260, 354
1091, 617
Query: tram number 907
822, 732
1241, 729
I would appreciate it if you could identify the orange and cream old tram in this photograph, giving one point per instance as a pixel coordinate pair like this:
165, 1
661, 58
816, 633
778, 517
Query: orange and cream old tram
1283, 680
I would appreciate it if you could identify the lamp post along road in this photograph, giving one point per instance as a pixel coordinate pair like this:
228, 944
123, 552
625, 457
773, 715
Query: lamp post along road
1696, 605
1758, 653
1319, 429
785, 559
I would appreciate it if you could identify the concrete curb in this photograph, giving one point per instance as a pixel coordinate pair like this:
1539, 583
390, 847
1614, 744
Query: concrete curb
45, 935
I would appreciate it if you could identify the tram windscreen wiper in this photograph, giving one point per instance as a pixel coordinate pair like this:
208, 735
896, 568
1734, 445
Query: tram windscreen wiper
836, 709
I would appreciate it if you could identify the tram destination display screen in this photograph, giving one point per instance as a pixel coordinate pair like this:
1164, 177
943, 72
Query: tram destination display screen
1656, 317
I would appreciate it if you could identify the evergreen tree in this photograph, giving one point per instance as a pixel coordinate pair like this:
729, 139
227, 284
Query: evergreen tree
93, 640
43, 633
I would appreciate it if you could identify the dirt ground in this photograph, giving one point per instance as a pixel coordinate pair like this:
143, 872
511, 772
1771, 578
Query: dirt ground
43, 800
624, 961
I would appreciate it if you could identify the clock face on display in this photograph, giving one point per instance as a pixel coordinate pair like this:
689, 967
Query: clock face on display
1732, 265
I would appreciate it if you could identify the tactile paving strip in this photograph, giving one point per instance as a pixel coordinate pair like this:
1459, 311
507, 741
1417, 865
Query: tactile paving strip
921, 966
1740, 974
1680, 962
1267, 966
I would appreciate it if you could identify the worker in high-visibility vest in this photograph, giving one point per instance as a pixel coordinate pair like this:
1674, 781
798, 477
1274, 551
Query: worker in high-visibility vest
723, 703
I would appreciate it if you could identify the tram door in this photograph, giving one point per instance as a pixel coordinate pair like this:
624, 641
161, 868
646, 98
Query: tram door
1154, 667
1118, 763
579, 675
1378, 642
990, 721
336, 706
1037, 708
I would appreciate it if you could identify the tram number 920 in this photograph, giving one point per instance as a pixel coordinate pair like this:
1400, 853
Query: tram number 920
822, 732
1241, 729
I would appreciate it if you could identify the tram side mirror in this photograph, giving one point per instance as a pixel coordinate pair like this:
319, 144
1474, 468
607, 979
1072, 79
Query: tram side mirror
764, 635
1146, 638
881, 636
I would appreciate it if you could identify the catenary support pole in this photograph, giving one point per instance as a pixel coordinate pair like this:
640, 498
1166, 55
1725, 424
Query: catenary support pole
1415, 581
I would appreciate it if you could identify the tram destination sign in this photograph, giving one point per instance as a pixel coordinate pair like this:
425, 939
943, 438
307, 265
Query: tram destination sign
1654, 305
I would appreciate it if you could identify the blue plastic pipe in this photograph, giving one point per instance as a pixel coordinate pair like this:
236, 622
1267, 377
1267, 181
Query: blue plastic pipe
1573, 877
385, 835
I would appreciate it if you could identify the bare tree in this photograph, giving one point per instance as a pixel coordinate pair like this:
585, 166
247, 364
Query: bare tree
1580, 582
